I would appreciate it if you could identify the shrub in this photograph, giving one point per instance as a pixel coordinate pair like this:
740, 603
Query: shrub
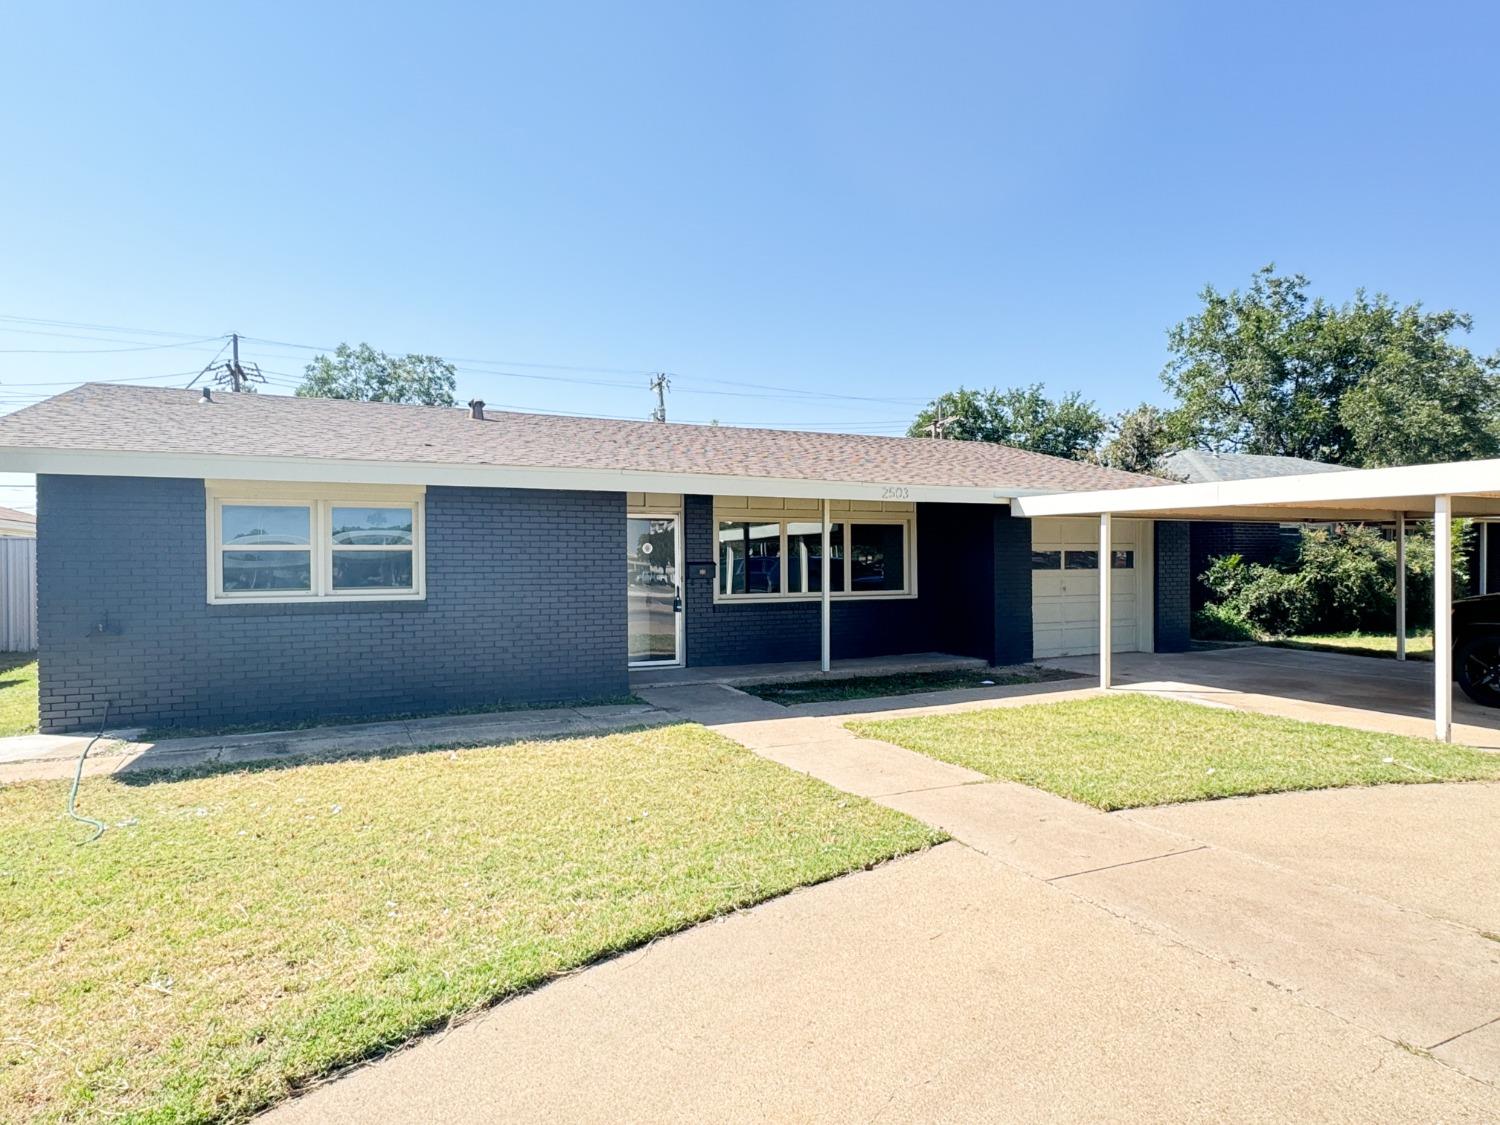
1216, 622
1341, 579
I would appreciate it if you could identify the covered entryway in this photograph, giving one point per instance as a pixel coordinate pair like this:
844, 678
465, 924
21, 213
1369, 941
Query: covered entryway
1065, 566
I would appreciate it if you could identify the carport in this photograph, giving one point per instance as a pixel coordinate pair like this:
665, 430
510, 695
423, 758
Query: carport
1380, 496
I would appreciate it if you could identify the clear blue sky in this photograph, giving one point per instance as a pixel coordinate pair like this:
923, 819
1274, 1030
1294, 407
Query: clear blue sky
856, 199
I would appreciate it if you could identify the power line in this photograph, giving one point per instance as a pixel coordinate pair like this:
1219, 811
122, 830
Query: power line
104, 351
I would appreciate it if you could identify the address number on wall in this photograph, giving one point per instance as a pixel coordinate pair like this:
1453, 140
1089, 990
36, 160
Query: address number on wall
895, 492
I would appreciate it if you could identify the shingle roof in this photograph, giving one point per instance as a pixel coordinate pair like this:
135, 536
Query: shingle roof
1197, 466
153, 420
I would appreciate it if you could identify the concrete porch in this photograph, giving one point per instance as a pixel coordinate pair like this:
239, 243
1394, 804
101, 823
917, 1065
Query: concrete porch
797, 670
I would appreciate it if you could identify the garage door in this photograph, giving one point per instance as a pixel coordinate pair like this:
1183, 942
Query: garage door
1065, 587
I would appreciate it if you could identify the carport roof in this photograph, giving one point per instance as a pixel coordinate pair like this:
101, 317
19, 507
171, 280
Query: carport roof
1374, 495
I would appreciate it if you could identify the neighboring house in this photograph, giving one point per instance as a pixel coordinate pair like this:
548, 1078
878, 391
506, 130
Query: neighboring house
17, 581
1255, 542
263, 558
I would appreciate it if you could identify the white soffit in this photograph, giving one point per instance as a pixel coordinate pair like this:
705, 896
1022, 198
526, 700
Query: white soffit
1359, 494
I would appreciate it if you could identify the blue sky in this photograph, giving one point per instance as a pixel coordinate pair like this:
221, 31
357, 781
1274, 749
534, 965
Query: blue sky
873, 201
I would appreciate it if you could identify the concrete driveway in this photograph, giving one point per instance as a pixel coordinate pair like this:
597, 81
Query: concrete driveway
1367, 692
1325, 956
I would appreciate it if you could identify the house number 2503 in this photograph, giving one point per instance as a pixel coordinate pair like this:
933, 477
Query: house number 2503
895, 493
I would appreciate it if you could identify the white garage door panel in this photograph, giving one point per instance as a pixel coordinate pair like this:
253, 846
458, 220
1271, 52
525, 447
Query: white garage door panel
1065, 599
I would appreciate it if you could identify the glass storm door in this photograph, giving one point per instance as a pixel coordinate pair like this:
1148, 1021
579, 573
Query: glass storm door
654, 590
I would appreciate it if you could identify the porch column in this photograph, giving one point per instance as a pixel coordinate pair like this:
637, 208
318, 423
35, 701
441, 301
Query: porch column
1106, 599
825, 580
1442, 618
1484, 556
1401, 586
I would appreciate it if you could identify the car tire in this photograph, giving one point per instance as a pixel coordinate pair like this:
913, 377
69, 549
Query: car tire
1476, 666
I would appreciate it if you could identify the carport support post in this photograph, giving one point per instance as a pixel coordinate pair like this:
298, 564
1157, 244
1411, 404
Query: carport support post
1401, 586
1106, 599
825, 580
1442, 618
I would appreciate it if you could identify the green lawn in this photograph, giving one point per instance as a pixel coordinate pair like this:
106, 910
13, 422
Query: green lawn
901, 683
17, 693
235, 934
1418, 645
1125, 750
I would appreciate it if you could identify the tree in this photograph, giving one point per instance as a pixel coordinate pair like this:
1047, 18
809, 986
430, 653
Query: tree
371, 376
1138, 439
1020, 416
1369, 382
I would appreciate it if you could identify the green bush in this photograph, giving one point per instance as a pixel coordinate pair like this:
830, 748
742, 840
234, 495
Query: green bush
1340, 580
1216, 622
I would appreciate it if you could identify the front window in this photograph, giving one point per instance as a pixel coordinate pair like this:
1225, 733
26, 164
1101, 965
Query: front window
765, 558
287, 550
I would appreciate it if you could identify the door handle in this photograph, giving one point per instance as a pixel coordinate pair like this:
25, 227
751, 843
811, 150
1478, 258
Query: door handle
677, 601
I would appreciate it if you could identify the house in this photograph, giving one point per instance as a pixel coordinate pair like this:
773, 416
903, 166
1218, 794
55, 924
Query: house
1254, 542
213, 558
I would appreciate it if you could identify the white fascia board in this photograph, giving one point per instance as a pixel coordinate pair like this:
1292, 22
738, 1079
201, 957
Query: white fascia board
1366, 487
223, 468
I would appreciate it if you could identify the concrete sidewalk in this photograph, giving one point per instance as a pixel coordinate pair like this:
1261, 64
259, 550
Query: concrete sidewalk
43, 757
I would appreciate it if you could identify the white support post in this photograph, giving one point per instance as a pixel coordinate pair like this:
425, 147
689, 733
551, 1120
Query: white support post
825, 582
1106, 600
1442, 618
1484, 556
1401, 586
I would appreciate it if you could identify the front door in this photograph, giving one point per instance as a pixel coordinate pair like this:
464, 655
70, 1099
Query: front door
654, 590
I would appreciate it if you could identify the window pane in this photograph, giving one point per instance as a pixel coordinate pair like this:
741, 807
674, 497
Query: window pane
379, 527
1122, 560
264, 525
267, 570
1083, 560
749, 558
372, 570
877, 557
1046, 560
804, 557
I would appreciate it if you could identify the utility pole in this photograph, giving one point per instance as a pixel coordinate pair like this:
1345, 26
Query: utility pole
232, 373
938, 426
659, 384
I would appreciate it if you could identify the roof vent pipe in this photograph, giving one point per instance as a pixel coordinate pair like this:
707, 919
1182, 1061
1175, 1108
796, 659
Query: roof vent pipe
476, 409
207, 396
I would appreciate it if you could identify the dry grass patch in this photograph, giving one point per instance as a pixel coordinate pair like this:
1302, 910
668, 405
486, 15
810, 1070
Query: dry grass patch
236, 934
1125, 750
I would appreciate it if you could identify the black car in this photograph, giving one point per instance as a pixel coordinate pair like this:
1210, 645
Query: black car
1476, 648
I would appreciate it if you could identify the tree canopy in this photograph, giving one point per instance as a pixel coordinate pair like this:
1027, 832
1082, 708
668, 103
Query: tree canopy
372, 376
1370, 382
1138, 439
1025, 417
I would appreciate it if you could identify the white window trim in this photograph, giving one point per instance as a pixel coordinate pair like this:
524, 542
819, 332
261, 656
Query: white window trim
321, 500
847, 518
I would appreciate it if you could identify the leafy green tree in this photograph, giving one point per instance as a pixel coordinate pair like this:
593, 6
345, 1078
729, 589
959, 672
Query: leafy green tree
372, 376
1024, 417
1138, 439
1370, 382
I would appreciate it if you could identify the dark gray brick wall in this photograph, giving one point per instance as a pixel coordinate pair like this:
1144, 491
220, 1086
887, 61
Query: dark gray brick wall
525, 603
960, 608
1174, 612
1012, 601
1256, 542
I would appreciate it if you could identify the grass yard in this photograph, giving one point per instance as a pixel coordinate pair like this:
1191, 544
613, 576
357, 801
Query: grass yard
1418, 645
1127, 750
235, 934
900, 683
17, 693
